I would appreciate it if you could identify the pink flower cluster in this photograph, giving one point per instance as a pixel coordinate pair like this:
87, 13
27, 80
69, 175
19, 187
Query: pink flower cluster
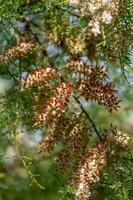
89, 170
19, 50
38, 77
99, 13
55, 105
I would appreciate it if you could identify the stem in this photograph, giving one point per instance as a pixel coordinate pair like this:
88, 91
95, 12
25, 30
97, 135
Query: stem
88, 117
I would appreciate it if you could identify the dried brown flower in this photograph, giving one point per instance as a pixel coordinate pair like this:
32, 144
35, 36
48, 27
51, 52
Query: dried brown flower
104, 94
72, 152
82, 70
92, 83
58, 132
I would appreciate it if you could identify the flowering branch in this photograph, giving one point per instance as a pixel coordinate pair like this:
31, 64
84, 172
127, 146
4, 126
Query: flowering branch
88, 117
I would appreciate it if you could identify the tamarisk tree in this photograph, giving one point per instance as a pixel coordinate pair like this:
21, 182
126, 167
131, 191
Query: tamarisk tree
68, 61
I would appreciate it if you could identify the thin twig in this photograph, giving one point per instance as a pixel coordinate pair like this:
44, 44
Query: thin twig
88, 117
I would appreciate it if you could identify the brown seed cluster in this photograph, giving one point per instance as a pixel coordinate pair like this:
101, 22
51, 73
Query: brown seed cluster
59, 131
79, 69
38, 77
104, 94
17, 51
55, 105
89, 170
75, 145
84, 71
47, 144
93, 84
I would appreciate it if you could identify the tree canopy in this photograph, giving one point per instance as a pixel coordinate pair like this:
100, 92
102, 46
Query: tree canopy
66, 78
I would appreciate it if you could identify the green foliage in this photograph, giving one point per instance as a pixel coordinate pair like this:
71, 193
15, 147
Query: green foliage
60, 34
